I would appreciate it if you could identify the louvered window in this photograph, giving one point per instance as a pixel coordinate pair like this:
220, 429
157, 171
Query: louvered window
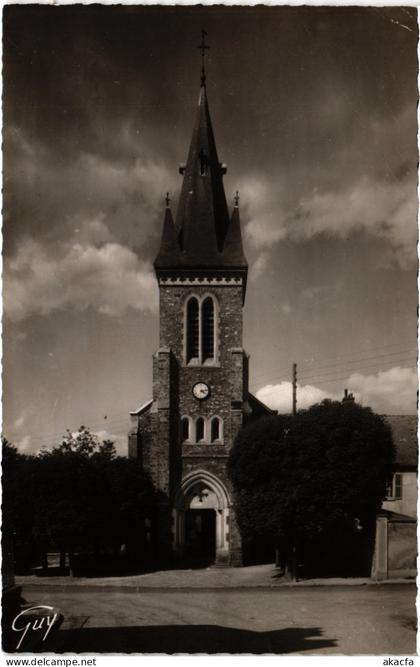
201, 326
215, 429
199, 429
192, 330
185, 429
207, 329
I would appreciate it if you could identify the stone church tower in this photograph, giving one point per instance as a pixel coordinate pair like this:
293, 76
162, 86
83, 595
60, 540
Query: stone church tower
200, 371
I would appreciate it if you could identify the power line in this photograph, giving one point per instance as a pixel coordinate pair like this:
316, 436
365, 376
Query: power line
351, 371
118, 423
316, 381
346, 363
340, 364
346, 377
412, 343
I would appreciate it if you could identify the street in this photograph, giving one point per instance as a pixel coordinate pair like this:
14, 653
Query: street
314, 620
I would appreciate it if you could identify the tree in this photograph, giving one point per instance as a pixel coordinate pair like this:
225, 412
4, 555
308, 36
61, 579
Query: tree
88, 499
301, 479
17, 502
83, 443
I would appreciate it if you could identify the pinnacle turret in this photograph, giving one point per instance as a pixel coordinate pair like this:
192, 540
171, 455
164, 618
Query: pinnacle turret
232, 247
169, 252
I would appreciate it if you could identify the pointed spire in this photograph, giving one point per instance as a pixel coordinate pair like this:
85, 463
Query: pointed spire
202, 210
169, 251
203, 237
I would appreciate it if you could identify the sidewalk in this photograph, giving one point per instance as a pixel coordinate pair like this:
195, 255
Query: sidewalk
255, 576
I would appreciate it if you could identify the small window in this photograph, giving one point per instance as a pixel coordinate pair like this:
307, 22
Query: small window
199, 429
200, 330
192, 330
394, 488
398, 486
215, 429
208, 329
185, 429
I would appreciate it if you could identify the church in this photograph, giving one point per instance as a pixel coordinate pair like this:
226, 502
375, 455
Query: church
201, 399
200, 371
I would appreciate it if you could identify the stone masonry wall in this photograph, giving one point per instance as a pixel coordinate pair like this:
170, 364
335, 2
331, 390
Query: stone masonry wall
227, 379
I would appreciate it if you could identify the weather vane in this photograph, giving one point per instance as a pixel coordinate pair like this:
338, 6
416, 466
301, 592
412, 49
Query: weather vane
167, 200
203, 47
236, 200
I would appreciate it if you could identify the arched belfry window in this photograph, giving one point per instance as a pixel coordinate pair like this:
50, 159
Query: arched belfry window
200, 330
216, 429
199, 429
185, 429
207, 329
193, 330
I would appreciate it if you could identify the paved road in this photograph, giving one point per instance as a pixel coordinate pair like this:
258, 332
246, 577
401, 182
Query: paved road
325, 620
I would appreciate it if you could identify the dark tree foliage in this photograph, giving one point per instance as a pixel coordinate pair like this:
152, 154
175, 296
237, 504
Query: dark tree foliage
77, 497
299, 477
17, 502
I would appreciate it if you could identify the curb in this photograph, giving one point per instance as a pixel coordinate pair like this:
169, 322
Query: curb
127, 588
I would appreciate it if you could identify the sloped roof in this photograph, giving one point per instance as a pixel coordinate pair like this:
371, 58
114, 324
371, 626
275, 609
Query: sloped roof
404, 431
394, 517
258, 408
143, 408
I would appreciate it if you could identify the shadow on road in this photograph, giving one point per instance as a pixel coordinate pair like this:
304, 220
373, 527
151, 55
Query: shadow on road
187, 639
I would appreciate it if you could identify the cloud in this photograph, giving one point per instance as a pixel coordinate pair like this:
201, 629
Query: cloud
279, 396
120, 440
24, 445
390, 392
258, 266
263, 210
84, 193
109, 279
19, 422
393, 391
367, 184
385, 210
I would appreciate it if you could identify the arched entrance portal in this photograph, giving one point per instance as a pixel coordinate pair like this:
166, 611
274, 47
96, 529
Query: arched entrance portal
201, 518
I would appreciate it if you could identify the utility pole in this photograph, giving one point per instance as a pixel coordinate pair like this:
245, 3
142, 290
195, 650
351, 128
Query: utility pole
294, 386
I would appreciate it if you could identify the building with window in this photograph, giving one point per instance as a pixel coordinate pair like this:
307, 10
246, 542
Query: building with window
402, 491
200, 371
396, 525
200, 379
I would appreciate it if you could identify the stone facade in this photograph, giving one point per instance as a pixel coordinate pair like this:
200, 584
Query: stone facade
396, 524
158, 438
200, 258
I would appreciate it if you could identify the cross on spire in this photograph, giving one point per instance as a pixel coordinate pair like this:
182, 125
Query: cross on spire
236, 198
203, 47
167, 200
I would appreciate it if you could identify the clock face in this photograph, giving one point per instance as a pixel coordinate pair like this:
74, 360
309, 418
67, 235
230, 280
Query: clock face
201, 390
